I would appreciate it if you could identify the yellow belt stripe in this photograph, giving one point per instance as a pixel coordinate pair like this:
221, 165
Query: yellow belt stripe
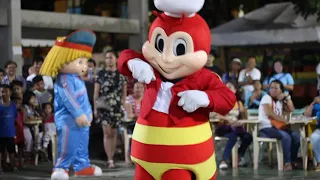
172, 136
204, 170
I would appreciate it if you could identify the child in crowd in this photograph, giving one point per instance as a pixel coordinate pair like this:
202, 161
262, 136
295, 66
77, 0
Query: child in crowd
49, 128
8, 114
1, 75
43, 96
232, 129
17, 88
19, 140
31, 131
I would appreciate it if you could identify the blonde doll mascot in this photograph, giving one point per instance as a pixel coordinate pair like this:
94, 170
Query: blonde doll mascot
67, 61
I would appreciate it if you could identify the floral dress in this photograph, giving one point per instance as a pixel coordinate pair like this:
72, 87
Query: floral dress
111, 83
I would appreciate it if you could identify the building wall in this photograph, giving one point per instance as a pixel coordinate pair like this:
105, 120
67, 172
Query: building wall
10, 35
48, 25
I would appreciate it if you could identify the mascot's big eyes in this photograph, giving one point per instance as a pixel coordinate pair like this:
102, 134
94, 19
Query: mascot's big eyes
159, 43
179, 47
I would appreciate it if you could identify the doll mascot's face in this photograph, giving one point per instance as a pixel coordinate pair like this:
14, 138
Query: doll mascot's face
177, 46
78, 66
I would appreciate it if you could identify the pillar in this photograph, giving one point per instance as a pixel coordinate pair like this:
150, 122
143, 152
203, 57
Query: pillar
10, 34
139, 9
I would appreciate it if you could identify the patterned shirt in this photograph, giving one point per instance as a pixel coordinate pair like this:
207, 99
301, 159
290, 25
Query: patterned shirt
7, 81
135, 106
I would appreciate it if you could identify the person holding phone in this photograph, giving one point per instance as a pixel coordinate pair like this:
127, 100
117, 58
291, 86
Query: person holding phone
272, 107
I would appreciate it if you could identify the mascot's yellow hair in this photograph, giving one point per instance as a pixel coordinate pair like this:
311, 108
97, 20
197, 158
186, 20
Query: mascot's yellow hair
59, 56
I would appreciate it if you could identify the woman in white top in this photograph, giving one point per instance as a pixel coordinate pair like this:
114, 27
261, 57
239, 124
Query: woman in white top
271, 107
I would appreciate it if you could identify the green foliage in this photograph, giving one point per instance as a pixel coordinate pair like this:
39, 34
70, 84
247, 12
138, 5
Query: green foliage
307, 7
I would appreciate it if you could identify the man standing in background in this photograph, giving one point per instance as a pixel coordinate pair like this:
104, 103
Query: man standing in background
211, 66
248, 75
90, 78
37, 63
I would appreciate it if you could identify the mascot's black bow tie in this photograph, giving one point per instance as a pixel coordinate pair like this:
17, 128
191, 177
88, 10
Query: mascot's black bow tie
172, 81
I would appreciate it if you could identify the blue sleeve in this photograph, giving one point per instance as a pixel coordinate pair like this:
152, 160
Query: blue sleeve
318, 116
265, 81
290, 80
66, 93
256, 102
224, 77
248, 96
316, 107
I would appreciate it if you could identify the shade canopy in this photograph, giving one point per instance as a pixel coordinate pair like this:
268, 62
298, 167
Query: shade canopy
276, 23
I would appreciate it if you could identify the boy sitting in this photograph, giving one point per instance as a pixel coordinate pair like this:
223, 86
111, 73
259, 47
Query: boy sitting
43, 96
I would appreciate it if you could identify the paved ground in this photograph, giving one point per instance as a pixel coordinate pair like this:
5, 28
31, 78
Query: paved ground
42, 172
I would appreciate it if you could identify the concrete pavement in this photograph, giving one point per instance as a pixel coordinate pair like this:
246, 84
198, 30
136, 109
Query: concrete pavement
43, 171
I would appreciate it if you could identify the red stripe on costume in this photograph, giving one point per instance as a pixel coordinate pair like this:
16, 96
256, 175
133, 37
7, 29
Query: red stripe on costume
70, 92
74, 46
159, 119
186, 154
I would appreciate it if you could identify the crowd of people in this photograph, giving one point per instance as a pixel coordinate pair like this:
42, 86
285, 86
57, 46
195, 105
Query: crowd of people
271, 97
26, 109
27, 121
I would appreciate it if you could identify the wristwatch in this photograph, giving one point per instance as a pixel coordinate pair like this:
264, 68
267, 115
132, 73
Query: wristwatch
287, 97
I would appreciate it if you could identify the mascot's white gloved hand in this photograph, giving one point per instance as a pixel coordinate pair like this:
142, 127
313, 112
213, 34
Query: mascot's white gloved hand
141, 70
191, 100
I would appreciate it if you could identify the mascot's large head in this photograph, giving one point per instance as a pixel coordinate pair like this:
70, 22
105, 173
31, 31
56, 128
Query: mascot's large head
70, 54
179, 39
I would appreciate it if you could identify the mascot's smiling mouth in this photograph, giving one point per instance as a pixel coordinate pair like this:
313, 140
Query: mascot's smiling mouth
163, 69
167, 70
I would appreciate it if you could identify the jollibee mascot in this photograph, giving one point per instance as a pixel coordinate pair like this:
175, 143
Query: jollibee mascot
67, 61
172, 139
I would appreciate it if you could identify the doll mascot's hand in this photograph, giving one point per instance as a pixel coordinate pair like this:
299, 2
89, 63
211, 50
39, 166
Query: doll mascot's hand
82, 120
191, 100
90, 120
141, 70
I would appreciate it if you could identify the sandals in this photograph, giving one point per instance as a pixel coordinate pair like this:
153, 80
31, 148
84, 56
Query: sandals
111, 164
287, 167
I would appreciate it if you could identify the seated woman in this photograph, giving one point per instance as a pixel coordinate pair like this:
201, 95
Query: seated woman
133, 103
231, 129
132, 107
254, 98
314, 110
271, 109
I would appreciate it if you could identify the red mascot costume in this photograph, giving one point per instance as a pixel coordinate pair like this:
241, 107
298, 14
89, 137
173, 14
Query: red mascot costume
172, 139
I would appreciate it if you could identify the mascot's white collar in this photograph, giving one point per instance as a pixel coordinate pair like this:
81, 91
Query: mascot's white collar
179, 15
